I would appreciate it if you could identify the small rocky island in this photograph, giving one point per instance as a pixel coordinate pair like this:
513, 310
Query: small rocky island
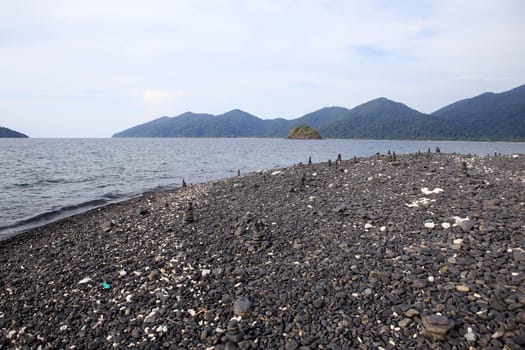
417, 251
8, 133
304, 132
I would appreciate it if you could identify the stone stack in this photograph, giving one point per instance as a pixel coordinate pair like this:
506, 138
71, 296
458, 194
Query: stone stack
188, 214
436, 327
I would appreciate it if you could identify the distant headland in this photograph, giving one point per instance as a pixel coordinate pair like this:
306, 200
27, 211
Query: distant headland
8, 133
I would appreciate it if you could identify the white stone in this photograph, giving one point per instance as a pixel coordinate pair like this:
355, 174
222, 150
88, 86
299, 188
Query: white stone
425, 190
84, 280
459, 220
192, 312
162, 329
436, 190
277, 172
431, 278
382, 228
122, 273
445, 225
368, 226
458, 241
430, 224
205, 272
470, 336
129, 297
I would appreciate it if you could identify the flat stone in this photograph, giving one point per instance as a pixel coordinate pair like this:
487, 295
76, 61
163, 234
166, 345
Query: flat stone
518, 256
411, 313
404, 322
241, 306
291, 345
462, 288
419, 283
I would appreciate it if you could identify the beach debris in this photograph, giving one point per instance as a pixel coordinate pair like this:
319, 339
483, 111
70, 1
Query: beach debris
106, 285
188, 214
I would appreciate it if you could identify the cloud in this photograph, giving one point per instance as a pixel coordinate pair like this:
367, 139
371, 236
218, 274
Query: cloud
161, 96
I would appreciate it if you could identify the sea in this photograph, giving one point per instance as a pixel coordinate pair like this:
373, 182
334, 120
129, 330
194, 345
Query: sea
43, 180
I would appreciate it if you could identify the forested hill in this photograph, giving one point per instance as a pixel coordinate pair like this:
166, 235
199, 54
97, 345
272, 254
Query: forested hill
489, 116
5, 133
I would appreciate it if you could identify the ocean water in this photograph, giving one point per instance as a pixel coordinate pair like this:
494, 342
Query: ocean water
42, 180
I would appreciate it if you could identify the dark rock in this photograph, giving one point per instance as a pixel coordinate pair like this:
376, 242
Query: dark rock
241, 306
436, 327
518, 256
291, 345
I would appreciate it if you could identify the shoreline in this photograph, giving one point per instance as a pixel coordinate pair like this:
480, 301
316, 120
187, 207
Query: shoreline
340, 256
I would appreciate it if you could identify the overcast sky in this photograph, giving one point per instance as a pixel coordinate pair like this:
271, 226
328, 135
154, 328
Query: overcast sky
92, 68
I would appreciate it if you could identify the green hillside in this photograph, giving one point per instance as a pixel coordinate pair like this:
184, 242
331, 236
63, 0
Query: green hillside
488, 116
8, 133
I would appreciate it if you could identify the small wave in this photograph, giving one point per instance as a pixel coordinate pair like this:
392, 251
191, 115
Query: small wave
114, 195
158, 189
48, 217
22, 185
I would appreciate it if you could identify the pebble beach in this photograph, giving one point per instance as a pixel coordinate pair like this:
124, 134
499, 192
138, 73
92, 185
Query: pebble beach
414, 251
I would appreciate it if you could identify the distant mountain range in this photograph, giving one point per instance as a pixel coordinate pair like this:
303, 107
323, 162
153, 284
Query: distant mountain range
5, 132
488, 116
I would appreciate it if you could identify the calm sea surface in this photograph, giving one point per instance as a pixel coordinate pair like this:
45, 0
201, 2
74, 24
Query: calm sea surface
42, 180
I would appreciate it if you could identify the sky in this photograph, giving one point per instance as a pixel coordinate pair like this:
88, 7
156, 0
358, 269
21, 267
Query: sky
93, 68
